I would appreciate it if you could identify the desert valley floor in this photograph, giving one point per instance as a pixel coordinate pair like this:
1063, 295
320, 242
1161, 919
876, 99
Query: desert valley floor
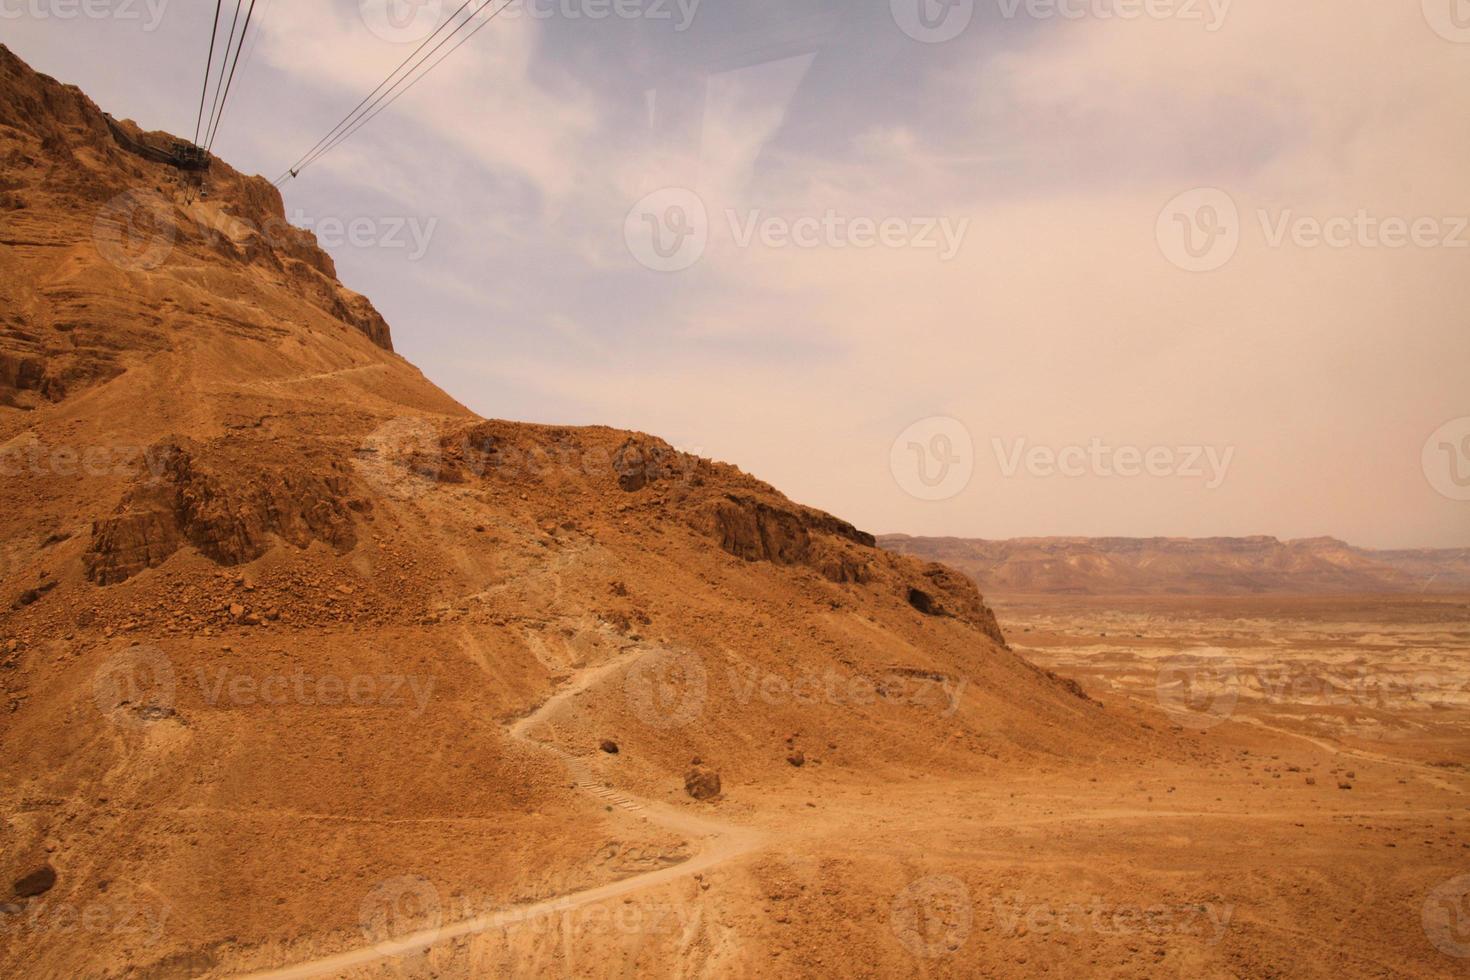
1313, 823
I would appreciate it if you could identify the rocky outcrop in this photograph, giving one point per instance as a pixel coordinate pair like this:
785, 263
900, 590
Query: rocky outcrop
72, 178
756, 531
942, 591
231, 513
643, 460
760, 530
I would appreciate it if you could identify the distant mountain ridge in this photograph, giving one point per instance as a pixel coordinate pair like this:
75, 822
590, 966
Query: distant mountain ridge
1190, 566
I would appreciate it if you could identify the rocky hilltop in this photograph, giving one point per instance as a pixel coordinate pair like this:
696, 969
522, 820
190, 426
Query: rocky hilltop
281, 621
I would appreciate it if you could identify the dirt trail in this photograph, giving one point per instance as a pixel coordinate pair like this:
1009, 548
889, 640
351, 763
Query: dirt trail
718, 842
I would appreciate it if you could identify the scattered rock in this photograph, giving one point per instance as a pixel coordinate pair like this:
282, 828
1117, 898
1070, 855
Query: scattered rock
702, 783
797, 758
609, 746
38, 882
32, 595
1343, 784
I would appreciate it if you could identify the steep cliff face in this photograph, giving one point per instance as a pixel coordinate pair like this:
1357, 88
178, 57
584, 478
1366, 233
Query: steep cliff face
73, 188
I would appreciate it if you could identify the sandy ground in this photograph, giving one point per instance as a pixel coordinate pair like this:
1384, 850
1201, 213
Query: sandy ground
1376, 675
1277, 845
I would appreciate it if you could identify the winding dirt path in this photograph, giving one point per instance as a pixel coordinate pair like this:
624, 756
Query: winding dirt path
718, 842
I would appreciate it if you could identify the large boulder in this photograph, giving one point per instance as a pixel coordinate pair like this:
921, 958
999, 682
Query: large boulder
702, 783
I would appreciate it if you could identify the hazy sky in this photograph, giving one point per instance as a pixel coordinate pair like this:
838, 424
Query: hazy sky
975, 267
